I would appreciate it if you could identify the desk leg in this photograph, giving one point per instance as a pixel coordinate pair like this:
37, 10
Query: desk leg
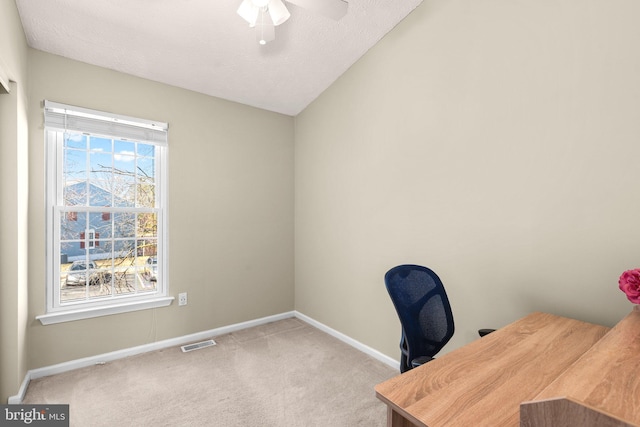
394, 419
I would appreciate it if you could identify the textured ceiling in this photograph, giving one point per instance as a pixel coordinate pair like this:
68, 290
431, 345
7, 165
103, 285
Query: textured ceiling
204, 46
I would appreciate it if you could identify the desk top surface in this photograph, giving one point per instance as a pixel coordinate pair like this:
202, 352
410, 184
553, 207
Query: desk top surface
484, 382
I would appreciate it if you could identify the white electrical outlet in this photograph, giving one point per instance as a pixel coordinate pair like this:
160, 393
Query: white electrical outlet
182, 298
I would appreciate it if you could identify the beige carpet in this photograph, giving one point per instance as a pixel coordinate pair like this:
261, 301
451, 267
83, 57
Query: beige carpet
285, 373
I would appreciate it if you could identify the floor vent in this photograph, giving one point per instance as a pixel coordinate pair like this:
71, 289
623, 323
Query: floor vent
197, 346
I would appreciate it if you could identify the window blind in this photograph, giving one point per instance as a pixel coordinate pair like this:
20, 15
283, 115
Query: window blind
69, 118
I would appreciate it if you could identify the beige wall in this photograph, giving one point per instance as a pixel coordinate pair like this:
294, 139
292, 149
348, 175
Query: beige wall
230, 209
494, 141
13, 201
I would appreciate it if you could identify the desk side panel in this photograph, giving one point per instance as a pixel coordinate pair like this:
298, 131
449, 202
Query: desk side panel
607, 377
566, 413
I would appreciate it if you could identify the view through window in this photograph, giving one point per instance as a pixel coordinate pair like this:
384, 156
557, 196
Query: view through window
107, 214
108, 230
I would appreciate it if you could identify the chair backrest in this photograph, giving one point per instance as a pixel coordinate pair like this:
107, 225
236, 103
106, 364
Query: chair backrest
423, 308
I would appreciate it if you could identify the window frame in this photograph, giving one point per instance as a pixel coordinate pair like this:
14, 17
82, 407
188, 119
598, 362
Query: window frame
56, 310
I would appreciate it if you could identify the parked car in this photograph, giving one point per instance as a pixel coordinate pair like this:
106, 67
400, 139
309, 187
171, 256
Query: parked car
151, 269
78, 273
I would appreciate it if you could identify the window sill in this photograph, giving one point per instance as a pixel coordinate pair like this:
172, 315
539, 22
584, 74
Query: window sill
88, 313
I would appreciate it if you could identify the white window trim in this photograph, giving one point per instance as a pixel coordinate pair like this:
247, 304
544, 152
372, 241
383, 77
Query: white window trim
84, 310
106, 310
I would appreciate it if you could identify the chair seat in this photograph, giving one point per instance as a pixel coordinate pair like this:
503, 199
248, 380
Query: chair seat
420, 361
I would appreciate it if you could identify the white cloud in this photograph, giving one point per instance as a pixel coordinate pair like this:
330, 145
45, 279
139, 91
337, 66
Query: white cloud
124, 156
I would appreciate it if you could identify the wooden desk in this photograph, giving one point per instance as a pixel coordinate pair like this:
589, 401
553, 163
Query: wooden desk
484, 382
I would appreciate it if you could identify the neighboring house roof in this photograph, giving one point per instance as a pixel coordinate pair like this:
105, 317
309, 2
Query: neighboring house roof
76, 195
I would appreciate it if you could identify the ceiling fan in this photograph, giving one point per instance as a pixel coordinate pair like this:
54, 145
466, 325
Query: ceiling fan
267, 14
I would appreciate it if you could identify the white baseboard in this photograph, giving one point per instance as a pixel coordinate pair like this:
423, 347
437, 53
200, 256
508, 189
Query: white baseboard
173, 342
17, 399
344, 338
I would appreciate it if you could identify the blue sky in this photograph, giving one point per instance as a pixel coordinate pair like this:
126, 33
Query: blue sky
109, 161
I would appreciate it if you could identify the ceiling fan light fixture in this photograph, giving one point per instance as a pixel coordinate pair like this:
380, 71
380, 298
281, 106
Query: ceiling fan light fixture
254, 11
278, 12
265, 29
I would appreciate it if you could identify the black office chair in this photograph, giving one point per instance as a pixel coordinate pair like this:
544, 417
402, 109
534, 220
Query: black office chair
424, 311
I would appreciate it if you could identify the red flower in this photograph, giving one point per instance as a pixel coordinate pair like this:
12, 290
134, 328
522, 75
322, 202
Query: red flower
630, 284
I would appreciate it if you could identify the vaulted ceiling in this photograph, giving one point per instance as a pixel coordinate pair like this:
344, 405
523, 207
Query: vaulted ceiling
204, 46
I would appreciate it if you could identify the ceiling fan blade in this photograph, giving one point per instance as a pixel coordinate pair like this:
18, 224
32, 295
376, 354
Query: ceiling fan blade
248, 12
278, 12
334, 9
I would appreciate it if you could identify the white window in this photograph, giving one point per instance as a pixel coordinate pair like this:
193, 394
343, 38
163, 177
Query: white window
106, 213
